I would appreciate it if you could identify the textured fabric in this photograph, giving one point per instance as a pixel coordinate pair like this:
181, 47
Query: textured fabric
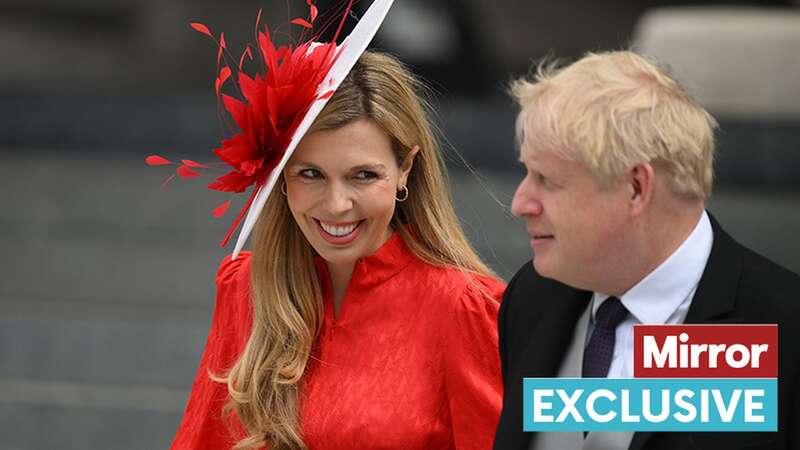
600, 349
409, 362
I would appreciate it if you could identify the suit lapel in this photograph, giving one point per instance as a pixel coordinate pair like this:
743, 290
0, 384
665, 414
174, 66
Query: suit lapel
715, 298
551, 338
549, 341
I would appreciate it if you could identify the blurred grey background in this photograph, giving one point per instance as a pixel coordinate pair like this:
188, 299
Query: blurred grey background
106, 285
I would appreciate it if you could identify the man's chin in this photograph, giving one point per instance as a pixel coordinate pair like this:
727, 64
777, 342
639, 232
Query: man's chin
545, 267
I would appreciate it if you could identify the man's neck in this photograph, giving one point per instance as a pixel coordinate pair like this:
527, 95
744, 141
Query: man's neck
660, 236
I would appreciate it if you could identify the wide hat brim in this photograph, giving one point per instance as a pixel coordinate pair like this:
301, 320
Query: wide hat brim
349, 52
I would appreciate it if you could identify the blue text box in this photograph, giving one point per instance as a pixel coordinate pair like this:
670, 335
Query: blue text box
720, 404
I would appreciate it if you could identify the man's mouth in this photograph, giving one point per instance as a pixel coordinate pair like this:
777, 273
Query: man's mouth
538, 239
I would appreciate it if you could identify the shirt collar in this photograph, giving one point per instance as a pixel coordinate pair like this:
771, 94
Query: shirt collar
392, 257
659, 294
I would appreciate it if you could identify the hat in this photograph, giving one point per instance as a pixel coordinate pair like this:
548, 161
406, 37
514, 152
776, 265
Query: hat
277, 108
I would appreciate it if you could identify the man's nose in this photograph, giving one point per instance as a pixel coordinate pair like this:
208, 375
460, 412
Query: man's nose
526, 201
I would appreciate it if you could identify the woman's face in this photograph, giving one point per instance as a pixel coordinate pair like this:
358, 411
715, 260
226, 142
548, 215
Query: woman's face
341, 186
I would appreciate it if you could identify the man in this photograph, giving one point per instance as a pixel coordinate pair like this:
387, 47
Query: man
619, 164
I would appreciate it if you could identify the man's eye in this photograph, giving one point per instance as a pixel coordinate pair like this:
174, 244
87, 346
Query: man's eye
366, 175
538, 177
310, 174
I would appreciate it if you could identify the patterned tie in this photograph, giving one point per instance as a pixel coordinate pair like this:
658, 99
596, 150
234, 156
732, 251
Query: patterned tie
600, 349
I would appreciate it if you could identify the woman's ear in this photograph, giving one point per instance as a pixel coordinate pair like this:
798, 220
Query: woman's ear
408, 163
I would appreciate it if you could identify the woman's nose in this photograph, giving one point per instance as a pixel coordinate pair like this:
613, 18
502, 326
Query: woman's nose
338, 198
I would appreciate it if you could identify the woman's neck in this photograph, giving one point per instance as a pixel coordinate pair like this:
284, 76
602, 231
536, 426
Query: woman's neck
340, 279
343, 272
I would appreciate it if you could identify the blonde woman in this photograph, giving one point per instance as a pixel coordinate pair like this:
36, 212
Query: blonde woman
362, 318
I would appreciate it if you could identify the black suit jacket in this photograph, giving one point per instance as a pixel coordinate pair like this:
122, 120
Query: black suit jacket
538, 317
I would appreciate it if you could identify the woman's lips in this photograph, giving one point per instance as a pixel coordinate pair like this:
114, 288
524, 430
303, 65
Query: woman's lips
339, 240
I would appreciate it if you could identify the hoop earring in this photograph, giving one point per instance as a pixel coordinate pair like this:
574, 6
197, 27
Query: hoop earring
405, 196
283, 187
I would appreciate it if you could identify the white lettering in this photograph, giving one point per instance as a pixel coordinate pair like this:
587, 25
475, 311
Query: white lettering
726, 411
698, 350
684, 350
569, 405
704, 406
651, 351
756, 351
539, 405
680, 402
737, 363
750, 405
590, 409
713, 354
674, 355
626, 408
647, 410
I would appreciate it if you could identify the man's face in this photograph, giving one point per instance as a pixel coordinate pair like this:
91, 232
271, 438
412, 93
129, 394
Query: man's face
578, 230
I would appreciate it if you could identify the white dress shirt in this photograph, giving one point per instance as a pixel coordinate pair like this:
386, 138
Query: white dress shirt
661, 297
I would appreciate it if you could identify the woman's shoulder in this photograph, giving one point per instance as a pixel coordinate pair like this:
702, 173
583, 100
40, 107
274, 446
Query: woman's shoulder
233, 310
234, 273
464, 287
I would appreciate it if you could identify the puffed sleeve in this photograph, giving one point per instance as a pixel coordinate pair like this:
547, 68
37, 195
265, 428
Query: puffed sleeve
202, 426
472, 365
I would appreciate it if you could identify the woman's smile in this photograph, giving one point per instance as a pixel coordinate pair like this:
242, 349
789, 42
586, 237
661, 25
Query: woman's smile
341, 233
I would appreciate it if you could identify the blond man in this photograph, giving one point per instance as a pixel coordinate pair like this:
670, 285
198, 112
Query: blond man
619, 162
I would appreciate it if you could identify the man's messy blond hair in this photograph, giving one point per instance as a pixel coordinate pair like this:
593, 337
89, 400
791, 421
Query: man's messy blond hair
614, 110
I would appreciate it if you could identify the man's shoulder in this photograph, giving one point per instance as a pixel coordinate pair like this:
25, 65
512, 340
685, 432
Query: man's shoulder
764, 291
768, 287
759, 268
527, 279
530, 290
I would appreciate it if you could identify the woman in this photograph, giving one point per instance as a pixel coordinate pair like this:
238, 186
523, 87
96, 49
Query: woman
362, 318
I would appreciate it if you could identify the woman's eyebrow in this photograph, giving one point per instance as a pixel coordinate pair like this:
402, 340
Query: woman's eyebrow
375, 167
303, 163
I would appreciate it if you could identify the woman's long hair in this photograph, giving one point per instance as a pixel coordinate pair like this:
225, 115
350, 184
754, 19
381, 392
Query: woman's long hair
286, 292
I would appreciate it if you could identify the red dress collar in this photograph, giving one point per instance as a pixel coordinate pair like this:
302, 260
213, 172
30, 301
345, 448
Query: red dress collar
391, 258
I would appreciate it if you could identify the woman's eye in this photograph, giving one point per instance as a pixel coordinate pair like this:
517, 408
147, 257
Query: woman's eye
310, 174
366, 175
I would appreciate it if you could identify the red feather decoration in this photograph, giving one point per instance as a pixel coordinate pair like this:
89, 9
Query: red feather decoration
219, 211
155, 160
202, 29
271, 107
186, 172
301, 22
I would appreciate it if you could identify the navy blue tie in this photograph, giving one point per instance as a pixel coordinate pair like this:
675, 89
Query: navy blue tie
600, 349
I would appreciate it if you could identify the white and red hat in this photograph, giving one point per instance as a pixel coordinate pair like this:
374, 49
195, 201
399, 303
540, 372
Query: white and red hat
276, 109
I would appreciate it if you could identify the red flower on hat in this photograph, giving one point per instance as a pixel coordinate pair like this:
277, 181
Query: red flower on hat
271, 108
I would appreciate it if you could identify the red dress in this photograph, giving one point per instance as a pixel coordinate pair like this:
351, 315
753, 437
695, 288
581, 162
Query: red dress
409, 362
